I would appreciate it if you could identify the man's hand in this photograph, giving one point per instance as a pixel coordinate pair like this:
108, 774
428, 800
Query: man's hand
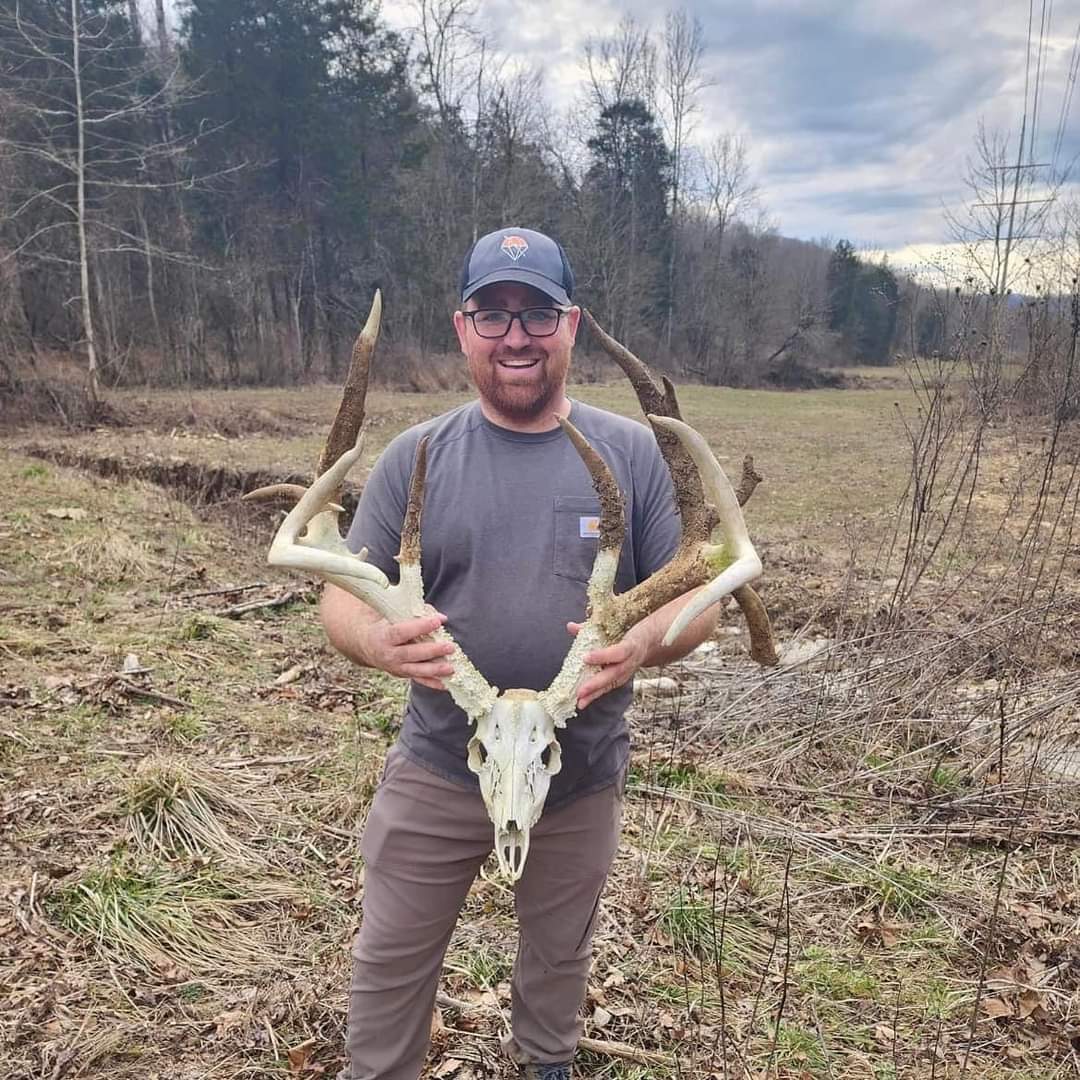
642, 647
618, 664
366, 638
394, 648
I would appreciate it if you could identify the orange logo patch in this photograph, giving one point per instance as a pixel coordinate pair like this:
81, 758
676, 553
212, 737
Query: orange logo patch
514, 246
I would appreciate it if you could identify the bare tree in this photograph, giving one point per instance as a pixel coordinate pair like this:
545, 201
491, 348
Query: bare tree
1003, 233
682, 81
85, 137
727, 186
451, 55
621, 67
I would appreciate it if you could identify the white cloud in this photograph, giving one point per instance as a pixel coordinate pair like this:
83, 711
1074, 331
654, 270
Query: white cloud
859, 117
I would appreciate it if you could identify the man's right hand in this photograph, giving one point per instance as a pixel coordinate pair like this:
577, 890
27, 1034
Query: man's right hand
396, 649
366, 638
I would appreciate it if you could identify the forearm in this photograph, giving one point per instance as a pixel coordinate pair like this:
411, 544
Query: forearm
653, 628
348, 622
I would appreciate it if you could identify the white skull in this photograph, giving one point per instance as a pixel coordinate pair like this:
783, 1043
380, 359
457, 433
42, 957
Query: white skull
515, 754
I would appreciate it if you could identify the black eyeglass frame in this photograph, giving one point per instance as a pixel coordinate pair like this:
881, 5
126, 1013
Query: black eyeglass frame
559, 313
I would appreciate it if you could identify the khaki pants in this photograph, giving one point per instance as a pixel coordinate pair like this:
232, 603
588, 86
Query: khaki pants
424, 843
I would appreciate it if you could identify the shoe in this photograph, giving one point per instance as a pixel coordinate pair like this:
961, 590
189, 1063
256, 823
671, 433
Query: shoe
559, 1071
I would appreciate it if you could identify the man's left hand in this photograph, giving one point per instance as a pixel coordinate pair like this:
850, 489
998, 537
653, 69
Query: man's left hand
617, 663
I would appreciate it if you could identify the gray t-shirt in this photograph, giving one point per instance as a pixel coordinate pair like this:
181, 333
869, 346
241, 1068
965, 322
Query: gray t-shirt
507, 546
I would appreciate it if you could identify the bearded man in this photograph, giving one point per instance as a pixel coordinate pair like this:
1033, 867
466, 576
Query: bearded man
508, 540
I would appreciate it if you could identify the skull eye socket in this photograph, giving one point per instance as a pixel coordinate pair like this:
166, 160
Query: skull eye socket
477, 754
551, 756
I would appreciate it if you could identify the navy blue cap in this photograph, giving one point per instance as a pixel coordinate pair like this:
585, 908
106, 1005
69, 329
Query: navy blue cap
523, 255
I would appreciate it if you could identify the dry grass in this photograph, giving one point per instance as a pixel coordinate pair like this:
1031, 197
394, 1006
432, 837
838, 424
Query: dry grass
177, 808
863, 865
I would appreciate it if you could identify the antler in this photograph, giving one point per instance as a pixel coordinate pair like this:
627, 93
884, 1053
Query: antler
309, 538
691, 466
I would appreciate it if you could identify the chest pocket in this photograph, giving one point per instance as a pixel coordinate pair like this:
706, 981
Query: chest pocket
577, 519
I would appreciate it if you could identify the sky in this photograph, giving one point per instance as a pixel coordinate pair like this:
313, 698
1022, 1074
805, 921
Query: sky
859, 117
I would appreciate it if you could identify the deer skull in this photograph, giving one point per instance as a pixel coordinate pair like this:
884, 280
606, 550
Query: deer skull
515, 754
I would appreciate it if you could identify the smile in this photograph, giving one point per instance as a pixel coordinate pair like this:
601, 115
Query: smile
518, 364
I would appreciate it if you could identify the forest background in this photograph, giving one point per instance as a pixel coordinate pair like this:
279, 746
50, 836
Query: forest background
216, 206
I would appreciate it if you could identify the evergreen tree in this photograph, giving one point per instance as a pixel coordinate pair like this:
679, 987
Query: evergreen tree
863, 304
627, 186
314, 101
842, 274
875, 305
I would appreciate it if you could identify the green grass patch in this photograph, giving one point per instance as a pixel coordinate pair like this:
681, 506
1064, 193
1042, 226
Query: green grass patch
483, 966
204, 627
687, 778
699, 929
828, 974
799, 1047
161, 922
901, 890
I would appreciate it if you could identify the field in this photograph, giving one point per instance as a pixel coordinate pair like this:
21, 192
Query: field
864, 864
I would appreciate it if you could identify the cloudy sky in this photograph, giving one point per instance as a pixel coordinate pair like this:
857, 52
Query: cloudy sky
859, 115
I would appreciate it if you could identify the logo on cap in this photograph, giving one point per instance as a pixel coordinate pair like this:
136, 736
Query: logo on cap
514, 246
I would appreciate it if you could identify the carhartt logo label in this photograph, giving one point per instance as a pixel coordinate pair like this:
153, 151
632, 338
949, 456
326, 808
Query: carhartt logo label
589, 528
514, 246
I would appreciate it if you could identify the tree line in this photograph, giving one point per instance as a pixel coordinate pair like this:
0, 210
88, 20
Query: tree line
216, 206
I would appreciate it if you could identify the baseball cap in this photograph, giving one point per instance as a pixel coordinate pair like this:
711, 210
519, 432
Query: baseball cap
516, 254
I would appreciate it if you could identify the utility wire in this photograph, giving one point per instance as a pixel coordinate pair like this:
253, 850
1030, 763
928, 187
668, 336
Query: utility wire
1066, 97
1040, 72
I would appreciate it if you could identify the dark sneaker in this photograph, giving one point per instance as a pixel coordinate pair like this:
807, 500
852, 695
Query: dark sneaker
545, 1072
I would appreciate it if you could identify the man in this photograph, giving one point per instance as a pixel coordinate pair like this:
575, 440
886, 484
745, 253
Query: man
508, 538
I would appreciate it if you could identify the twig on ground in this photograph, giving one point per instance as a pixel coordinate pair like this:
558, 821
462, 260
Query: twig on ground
290, 596
604, 1047
221, 592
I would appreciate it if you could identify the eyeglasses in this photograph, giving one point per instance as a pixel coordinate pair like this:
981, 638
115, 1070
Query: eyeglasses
496, 323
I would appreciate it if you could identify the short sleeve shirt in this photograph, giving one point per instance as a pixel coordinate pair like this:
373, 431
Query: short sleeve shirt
508, 538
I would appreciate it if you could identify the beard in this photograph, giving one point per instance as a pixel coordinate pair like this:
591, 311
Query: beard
525, 399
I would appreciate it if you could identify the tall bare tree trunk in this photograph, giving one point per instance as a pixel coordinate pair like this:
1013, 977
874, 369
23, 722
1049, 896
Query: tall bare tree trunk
136, 22
684, 46
162, 28
92, 388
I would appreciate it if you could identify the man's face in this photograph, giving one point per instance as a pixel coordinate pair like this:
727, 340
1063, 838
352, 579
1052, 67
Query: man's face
520, 377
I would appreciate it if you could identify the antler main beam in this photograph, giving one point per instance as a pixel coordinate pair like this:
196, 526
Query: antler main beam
660, 404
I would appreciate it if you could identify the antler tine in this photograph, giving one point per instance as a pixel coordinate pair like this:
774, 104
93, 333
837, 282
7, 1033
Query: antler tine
748, 482
409, 552
350, 415
349, 420
762, 643
612, 521
560, 698
660, 400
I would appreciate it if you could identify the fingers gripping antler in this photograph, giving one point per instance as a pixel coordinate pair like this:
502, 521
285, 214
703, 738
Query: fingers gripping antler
691, 465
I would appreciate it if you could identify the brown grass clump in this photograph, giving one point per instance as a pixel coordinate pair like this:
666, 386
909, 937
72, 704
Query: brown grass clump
179, 808
173, 925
